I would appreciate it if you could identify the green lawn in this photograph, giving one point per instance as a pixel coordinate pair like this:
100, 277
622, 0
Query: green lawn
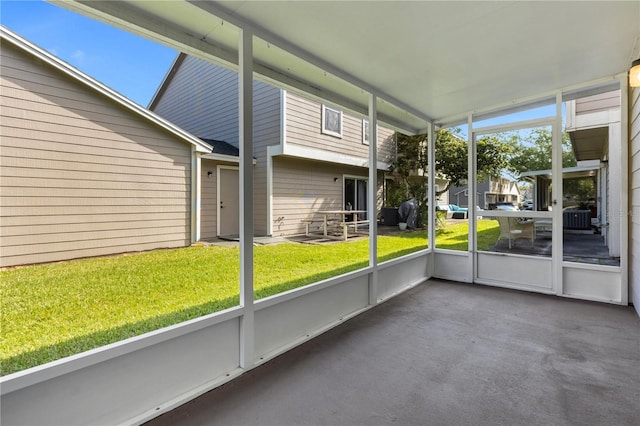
56, 310
455, 237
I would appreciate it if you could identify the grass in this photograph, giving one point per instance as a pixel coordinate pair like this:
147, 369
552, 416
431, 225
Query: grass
455, 237
56, 310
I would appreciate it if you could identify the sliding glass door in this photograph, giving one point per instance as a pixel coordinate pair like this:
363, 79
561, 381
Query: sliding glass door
355, 194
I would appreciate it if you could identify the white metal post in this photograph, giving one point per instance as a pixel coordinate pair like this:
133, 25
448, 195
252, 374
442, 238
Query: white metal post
245, 92
196, 195
431, 185
472, 186
625, 212
270, 190
556, 199
373, 199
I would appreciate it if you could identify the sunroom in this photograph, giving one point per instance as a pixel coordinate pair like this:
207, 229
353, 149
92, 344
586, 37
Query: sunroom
485, 67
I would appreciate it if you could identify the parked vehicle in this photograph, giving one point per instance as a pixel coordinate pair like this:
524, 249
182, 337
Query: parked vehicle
502, 206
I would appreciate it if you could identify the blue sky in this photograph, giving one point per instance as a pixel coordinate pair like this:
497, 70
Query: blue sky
126, 63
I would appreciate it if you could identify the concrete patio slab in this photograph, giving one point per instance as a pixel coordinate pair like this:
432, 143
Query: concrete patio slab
446, 353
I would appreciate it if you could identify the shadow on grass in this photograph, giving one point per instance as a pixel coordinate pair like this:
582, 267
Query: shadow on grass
94, 340
408, 234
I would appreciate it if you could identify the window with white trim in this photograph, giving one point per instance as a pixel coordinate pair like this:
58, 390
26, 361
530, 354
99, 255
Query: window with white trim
331, 121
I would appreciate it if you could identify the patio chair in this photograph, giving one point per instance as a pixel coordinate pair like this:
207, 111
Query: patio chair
510, 229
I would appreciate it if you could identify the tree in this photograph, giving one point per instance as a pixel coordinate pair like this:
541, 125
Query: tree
452, 164
533, 151
411, 163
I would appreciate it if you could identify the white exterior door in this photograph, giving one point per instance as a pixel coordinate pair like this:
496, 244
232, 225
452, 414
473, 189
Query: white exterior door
228, 201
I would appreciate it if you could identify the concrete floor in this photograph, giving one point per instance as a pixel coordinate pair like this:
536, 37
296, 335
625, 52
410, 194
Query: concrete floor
446, 353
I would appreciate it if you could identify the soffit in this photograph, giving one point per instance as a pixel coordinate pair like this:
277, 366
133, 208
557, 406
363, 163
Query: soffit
590, 144
428, 61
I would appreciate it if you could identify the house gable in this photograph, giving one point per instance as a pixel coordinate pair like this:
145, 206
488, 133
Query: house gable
82, 175
8, 36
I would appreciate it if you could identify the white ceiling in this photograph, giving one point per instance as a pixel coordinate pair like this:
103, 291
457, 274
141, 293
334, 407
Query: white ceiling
428, 61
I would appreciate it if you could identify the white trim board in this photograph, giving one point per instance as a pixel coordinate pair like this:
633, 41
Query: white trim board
329, 157
225, 158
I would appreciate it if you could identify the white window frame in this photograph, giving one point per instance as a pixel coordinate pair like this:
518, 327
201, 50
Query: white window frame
365, 133
329, 131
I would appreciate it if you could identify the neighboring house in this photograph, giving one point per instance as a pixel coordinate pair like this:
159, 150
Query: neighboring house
308, 156
85, 171
490, 191
594, 126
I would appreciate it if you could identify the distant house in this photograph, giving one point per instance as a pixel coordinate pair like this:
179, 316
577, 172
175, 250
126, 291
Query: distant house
490, 191
85, 171
309, 156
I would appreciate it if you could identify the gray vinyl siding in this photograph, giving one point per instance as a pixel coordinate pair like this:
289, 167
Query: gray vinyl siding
202, 98
301, 188
80, 175
634, 201
266, 127
386, 145
304, 128
597, 103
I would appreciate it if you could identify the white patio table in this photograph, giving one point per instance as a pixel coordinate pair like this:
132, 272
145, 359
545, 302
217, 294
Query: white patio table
342, 214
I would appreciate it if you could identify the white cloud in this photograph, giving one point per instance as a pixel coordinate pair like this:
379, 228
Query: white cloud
78, 56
